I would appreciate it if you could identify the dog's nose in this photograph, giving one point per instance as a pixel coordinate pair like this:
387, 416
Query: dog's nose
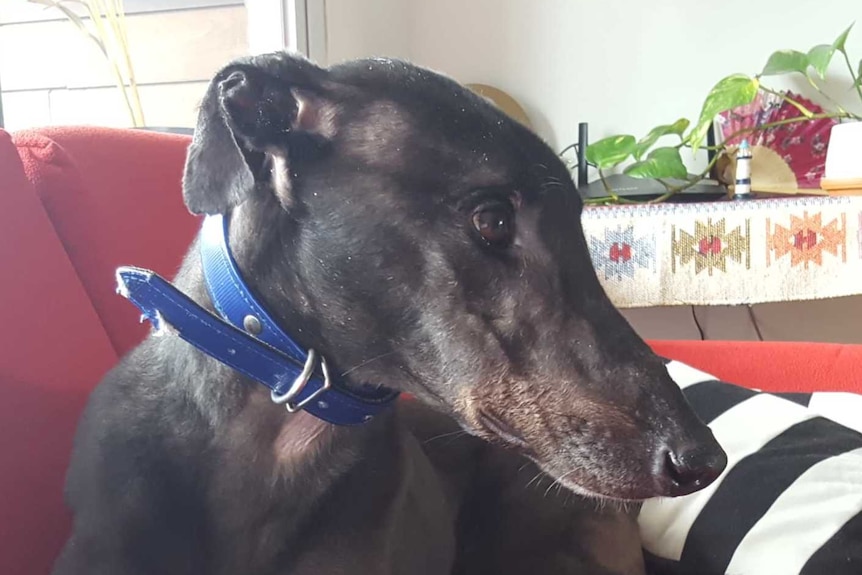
692, 466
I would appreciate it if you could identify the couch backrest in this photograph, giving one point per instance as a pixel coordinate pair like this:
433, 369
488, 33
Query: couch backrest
53, 348
114, 198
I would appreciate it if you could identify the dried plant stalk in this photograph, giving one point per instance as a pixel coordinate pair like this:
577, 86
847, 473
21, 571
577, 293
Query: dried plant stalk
107, 29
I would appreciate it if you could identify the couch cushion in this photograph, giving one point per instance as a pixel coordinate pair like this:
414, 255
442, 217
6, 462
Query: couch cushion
790, 500
115, 198
54, 350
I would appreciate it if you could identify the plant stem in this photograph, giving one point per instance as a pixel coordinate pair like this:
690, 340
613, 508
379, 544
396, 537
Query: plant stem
607, 186
611, 197
95, 9
853, 76
567, 148
779, 123
824, 94
671, 190
118, 21
708, 148
802, 109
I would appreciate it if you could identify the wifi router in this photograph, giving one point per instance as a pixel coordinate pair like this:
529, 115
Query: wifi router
638, 188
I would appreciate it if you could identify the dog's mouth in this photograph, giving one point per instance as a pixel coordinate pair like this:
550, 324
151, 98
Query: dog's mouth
600, 460
494, 425
498, 430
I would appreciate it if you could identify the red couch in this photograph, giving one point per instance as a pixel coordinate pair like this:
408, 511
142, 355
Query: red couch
77, 202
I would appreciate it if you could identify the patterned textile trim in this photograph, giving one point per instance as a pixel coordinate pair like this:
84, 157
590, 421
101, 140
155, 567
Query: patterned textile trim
725, 253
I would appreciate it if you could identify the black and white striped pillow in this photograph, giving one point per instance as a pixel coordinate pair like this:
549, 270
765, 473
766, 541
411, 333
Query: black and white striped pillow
790, 500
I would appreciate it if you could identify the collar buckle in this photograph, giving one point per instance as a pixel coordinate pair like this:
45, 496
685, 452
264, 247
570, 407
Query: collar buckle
288, 398
260, 350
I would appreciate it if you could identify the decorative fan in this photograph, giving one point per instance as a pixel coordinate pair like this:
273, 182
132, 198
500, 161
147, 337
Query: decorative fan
785, 157
749, 117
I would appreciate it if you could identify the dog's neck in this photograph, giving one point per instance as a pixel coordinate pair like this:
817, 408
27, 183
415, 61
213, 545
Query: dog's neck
276, 464
302, 455
259, 244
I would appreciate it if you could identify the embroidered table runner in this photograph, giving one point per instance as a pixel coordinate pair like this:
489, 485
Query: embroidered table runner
724, 253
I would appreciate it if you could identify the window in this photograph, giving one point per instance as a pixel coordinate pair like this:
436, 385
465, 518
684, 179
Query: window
50, 73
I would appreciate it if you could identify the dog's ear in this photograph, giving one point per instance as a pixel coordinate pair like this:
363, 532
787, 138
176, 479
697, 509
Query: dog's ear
254, 116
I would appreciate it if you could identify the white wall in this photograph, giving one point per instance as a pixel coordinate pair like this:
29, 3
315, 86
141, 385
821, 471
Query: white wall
360, 28
623, 66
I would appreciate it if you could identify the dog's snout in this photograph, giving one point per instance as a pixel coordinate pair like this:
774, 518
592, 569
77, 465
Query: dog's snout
689, 467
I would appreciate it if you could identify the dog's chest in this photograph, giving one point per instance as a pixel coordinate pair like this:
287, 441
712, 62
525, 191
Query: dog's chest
299, 496
390, 518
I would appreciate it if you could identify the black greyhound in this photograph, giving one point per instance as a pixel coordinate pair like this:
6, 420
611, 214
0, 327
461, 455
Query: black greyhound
420, 241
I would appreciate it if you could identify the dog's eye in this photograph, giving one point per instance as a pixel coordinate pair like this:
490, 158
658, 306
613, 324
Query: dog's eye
495, 224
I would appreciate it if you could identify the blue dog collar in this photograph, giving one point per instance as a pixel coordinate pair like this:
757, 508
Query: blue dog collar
246, 337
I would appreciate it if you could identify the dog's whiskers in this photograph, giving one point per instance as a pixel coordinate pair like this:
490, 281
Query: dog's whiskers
551, 486
535, 477
452, 434
367, 361
558, 481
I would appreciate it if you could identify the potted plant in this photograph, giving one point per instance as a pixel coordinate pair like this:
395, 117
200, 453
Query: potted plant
653, 157
107, 29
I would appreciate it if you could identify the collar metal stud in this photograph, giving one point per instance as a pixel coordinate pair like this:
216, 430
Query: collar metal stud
251, 324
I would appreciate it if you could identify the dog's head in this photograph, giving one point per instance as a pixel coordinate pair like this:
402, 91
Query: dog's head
422, 240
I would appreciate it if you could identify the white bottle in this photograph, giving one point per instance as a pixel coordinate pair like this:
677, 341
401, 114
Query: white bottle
742, 189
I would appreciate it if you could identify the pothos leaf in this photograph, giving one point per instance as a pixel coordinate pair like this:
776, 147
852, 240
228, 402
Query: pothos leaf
730, 92
841, 42
819, 57
660, 163
786, 62
609, 152
678, 128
